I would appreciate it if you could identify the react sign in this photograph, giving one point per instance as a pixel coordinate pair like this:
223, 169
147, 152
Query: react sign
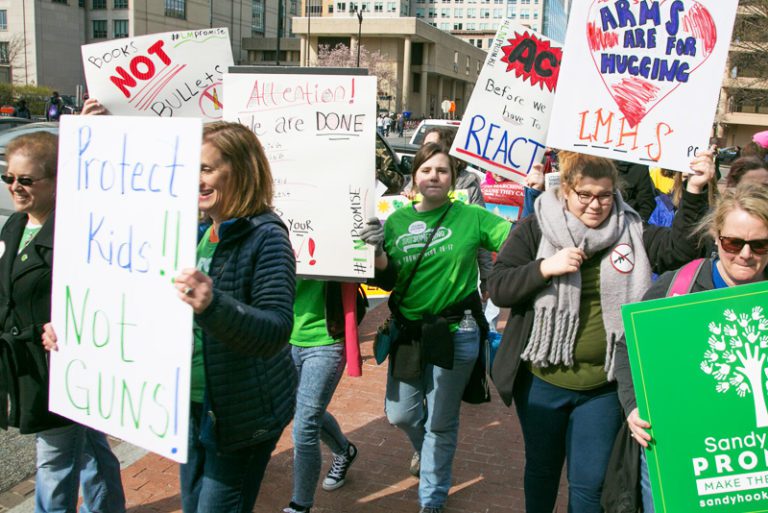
126, 224
652, 69
507, 117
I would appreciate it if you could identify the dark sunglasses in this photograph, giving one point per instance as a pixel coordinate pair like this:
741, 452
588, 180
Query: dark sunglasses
735, 245
24, 181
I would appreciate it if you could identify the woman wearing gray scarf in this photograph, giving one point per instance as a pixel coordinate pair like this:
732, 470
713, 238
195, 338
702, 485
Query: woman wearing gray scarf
564, 272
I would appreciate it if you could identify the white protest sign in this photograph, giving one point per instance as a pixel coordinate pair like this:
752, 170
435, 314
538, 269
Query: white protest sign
173, 74
319, 135
640, 80
126, 224
507, 117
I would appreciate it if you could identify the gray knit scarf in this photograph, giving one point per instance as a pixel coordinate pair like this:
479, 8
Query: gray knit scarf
625, 275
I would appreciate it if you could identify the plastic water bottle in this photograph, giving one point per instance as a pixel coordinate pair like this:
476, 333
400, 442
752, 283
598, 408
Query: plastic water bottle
467, 322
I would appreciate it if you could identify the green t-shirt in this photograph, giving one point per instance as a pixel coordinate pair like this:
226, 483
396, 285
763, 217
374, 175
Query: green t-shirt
588, 370
309, 327
30, 230
205, 249
448, 271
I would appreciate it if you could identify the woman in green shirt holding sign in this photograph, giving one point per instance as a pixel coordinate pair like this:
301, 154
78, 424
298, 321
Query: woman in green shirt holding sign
427, 253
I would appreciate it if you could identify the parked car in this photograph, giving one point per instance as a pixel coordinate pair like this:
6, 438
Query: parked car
426, 125
728, 155
6, 205
8, 122
389, 164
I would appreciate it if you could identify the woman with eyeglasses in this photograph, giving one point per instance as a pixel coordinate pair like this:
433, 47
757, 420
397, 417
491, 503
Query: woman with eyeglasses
68, 454
564, 272
739, 226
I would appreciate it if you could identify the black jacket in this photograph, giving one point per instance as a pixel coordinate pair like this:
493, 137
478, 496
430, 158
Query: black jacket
250, 377
25, 305
516, 279
637, 188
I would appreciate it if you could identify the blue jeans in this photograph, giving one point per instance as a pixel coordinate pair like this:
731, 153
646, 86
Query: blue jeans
559, 423
428, 411
645, 484
75, 455
217, 482
320, 369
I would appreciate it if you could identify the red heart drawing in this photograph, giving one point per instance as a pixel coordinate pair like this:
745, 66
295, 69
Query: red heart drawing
644, 50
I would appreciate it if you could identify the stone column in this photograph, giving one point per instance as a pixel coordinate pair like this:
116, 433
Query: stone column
407, 73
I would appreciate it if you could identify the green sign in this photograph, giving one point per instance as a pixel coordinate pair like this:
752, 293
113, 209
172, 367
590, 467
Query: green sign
700, 370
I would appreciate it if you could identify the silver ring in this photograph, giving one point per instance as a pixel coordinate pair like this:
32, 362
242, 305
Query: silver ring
188, 291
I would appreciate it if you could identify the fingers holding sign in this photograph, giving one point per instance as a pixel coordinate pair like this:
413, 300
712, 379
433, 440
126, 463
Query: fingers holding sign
703, 168
194, 288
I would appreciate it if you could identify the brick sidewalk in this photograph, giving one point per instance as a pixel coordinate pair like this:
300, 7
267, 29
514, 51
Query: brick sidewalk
487, 471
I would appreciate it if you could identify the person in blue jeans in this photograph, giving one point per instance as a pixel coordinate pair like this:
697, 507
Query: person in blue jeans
69, 455
739, 227
564, 272
317, 344
427, 254
243, 379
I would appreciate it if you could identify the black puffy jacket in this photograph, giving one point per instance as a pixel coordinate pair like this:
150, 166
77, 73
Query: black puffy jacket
250, 377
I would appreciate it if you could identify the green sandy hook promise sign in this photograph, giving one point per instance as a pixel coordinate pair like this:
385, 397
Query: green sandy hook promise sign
700, 369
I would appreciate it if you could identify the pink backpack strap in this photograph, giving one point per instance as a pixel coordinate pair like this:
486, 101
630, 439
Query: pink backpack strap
682, 282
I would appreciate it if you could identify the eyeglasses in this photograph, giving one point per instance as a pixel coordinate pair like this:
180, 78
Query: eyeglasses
735, 245
585, 198
24, 181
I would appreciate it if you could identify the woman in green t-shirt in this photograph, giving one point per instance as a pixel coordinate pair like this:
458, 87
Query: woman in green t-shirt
424, 387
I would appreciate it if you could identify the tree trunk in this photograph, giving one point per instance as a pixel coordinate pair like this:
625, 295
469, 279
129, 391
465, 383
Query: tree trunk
761, 413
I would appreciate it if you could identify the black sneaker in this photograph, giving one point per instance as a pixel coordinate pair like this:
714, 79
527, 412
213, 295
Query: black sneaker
431, 510
339, 467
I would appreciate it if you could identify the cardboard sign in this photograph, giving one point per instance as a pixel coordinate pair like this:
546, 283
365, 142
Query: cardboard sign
505, 199
175, 74
699, 368
507, 117
319, 135
386, 205
640, 80
126, 224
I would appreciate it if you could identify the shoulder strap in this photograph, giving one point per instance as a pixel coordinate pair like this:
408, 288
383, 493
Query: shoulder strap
684, 278
424, 250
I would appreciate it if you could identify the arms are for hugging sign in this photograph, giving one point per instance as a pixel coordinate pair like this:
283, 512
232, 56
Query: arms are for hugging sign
700, 369
126, 218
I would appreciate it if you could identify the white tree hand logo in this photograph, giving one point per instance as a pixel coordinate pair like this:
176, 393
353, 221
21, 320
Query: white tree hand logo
736, 357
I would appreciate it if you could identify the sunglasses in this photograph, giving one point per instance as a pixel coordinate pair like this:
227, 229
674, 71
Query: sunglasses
735, 245
24, 181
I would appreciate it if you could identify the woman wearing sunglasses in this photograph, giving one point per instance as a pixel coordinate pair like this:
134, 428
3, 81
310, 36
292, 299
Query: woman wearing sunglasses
564, 272
68, 454
739, 227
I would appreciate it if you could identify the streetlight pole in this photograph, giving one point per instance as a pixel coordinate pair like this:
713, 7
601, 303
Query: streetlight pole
359, 31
